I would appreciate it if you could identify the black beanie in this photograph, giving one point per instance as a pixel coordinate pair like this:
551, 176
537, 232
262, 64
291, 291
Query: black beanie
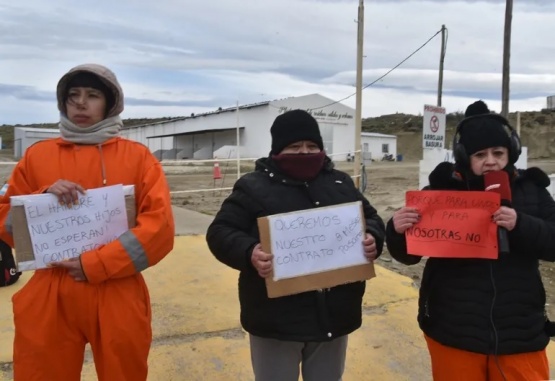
293, 126
87, 79
481, 129
476, 108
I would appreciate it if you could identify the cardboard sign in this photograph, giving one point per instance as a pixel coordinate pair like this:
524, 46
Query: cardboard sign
453, 224
315, 248
45, 231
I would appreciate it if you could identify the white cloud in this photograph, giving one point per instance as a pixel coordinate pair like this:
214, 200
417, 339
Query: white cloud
192, 56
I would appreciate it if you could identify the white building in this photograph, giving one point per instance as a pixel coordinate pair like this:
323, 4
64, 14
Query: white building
214, 134
375, 146
24, 137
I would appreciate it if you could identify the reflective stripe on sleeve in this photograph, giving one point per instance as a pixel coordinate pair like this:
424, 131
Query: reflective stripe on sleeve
135, 250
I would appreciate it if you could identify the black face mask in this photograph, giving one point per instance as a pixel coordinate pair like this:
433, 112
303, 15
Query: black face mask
302, 167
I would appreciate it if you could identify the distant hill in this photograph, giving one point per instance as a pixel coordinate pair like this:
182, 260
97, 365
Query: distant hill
537, 131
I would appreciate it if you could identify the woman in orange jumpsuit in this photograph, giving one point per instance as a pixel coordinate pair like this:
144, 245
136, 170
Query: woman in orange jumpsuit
99, 297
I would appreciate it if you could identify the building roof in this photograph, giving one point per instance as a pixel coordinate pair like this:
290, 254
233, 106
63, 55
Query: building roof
196, 132
377, 135
234, 108
193, 115
39, 129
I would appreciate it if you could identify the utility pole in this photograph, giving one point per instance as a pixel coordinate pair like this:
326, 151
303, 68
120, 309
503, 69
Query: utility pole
441, 59
358, 107
238, 135
506, 59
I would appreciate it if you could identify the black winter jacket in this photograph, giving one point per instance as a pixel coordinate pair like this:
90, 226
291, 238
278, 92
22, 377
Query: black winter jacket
309, 316
490, 306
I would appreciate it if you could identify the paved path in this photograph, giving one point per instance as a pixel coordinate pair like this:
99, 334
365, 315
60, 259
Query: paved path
197, 335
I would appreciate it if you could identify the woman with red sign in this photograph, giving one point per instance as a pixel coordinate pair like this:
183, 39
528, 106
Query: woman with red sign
485, 319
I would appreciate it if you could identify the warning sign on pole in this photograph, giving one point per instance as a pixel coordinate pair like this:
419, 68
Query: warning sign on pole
433, 130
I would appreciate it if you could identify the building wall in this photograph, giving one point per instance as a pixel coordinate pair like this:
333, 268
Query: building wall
255, 139
192, 146
336, 121
24, 137
185, 147
336, 124
374, 145
157, 145
252, 143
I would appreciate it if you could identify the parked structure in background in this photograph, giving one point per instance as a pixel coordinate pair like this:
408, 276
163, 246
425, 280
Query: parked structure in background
378, 147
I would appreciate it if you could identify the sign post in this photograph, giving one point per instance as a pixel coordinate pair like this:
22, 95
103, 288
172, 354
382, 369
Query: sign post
433, 129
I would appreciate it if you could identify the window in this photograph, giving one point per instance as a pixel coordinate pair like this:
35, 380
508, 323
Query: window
385, 148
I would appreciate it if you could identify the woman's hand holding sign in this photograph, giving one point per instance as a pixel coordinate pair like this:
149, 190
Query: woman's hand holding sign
505, 217
370, 249
66, 191
262, 261
405, 218
68, 194
73, 267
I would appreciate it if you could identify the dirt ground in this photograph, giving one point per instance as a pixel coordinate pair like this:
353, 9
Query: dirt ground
387, 182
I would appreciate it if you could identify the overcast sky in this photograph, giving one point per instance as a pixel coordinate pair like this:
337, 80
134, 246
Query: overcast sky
175, 57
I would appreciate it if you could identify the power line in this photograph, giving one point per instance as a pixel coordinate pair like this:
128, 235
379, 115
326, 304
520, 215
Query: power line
383, 76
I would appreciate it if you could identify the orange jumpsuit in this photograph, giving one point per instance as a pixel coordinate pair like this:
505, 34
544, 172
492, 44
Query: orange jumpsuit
452, 364
56, 316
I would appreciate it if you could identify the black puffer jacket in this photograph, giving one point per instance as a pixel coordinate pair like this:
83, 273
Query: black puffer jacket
490, 306
309, 316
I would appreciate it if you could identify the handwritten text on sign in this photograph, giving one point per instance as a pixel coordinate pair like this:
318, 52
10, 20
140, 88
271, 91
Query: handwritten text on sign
61, 232
453, 224
317, 240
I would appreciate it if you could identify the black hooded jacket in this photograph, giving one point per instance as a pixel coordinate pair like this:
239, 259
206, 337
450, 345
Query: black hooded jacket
309, 316
489, 306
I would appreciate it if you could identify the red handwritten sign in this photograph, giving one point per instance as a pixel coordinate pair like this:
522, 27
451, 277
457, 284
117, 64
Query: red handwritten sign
453, 224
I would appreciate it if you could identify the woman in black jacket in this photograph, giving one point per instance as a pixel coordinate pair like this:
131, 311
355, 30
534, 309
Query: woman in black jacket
485, 319
309, 328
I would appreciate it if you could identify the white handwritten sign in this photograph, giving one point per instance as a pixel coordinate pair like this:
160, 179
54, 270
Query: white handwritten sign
317, 240
60, 232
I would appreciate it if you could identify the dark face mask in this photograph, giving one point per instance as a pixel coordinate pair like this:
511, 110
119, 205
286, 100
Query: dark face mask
302, 167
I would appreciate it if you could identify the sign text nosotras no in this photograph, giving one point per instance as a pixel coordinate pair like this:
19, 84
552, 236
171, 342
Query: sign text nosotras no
313, 241
453, 224
60, 232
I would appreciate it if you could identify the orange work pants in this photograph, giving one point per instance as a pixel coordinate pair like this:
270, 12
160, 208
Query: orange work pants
451, 364
56, 316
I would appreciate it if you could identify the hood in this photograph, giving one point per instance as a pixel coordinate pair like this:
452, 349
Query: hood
105, 74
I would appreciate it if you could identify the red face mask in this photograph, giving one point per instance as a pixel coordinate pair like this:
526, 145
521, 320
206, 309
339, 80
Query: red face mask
302, 167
